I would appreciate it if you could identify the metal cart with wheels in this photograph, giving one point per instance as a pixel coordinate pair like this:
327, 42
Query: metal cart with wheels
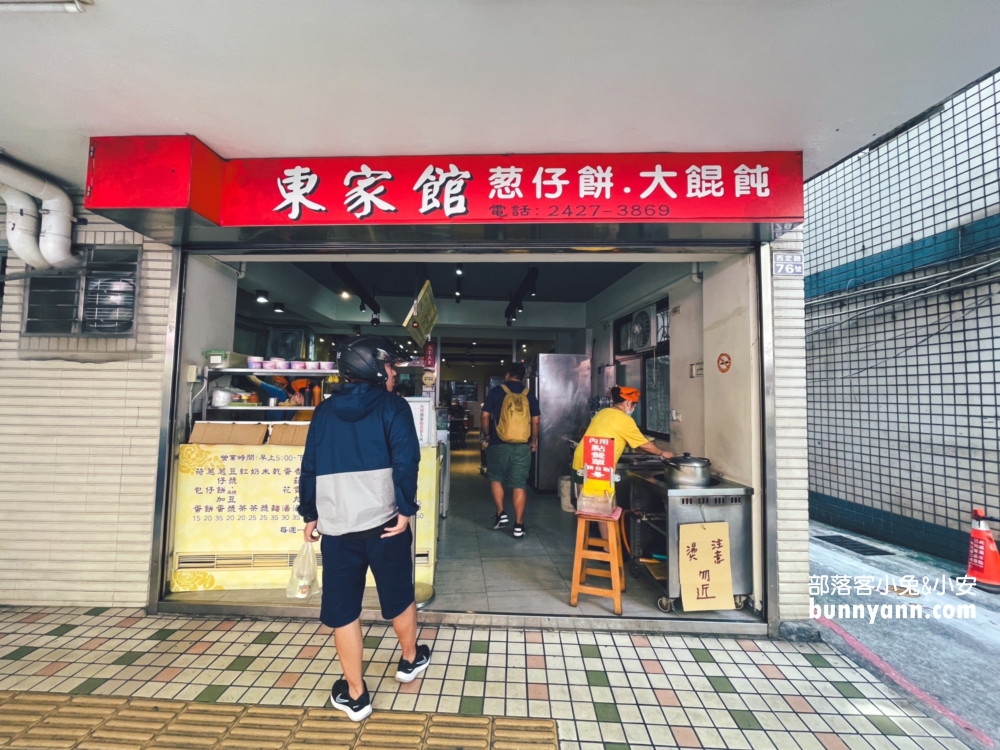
657, 512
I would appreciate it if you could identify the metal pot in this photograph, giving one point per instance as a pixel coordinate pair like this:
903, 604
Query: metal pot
688, 471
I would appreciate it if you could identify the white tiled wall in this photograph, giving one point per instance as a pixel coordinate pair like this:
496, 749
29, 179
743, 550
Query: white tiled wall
940, 174
78, 450
790, 418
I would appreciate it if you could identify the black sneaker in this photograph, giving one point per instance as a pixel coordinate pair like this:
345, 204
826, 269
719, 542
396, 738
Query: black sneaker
356, 710
500, 520
518, 530
408, 671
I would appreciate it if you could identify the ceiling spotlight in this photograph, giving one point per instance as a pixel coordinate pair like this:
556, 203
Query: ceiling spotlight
473, 343
501, 361
279, 307
458, 293
345, 294
375, 320
262, 295
524, 347
321, 339
458, 269
520, 307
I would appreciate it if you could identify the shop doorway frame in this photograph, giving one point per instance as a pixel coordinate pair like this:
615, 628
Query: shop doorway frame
691, 252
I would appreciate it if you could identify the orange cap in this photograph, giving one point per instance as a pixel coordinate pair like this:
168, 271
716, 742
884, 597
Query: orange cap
298, 385
630, 394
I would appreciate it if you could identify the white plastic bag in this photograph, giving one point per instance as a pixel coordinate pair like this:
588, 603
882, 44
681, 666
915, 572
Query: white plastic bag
303, 581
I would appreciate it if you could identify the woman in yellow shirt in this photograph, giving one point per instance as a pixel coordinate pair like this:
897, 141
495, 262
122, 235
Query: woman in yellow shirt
616, 422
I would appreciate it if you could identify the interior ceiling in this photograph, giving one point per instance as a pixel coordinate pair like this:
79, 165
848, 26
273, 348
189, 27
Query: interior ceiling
557, 282
255, 78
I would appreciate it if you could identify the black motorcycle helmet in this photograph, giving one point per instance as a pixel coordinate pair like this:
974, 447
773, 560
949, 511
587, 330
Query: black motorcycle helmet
364, 358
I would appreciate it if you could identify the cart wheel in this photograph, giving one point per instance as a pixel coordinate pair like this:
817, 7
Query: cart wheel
633, 568
740, 601
665, 604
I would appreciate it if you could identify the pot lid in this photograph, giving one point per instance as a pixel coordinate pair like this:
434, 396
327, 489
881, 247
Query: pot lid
688, 460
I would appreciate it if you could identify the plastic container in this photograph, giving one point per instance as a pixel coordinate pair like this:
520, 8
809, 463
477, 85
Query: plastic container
268, 365
312, 365
255, 363
278, 363
297, 365
566, 494
327, 365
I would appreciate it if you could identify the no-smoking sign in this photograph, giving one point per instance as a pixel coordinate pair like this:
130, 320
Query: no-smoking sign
724, 362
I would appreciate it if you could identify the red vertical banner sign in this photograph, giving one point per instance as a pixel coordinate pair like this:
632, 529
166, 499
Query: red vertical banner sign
430, 355
598, 458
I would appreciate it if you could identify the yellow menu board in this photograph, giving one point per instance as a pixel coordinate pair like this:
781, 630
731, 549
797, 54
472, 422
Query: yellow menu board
705, 568
236, 523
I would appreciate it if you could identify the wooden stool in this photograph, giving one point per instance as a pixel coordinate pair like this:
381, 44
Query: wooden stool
610, 552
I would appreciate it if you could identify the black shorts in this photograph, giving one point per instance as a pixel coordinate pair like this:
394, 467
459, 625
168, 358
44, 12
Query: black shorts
345, 567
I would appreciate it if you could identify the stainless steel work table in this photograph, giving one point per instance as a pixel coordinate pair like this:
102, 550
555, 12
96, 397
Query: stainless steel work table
723, 500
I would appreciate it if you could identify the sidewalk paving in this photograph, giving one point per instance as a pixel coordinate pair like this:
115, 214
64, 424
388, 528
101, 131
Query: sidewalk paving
606, 691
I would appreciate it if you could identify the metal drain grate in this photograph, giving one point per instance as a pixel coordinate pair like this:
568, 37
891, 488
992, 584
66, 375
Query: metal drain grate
853, 545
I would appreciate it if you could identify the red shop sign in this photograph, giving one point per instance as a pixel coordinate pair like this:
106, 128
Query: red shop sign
179, 172
598, 458
429, 355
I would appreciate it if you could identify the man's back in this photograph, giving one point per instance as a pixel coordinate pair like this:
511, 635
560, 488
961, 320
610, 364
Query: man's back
360, 463
493, 405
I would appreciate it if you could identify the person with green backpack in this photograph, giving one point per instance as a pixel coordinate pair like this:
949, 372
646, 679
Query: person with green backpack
510, 426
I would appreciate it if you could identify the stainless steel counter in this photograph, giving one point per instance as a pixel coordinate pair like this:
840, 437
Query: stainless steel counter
723, 500
719, 488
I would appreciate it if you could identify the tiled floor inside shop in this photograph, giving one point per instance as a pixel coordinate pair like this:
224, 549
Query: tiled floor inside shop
485, 570
605, 691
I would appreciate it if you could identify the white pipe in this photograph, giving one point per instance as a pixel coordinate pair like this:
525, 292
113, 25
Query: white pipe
22, 227
56, 236
696, 273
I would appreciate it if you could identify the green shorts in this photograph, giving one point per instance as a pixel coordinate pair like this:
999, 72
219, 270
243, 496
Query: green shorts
509, 464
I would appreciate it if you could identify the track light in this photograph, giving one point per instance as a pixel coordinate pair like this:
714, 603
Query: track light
262, 296
321, 339
375, 320
458, 269
345, 294
279, 307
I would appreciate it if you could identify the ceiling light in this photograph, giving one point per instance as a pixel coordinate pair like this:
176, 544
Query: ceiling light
321, 340
21, 6
262, 295
458, 269
524, 346
458, 293
345, 294
473, 343
279, 307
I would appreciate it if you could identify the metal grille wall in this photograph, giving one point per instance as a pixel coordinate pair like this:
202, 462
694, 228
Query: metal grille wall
902, 344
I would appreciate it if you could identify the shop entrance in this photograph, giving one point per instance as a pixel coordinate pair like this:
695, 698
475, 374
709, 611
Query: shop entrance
578, 326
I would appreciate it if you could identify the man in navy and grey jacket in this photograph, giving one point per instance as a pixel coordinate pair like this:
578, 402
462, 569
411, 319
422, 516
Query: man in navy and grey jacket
357, 493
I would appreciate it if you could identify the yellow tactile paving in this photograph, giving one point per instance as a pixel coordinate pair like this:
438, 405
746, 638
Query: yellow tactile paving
47, 721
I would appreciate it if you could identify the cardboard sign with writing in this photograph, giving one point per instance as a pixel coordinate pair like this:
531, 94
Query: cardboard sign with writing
705, 568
